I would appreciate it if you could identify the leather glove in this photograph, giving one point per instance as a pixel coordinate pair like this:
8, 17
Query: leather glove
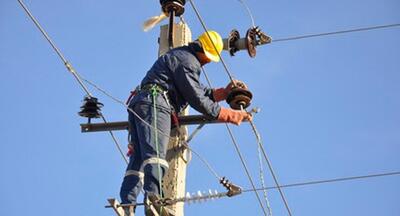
233, 116
221, 94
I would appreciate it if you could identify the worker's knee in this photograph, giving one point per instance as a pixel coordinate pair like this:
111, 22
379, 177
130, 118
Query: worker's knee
155, 168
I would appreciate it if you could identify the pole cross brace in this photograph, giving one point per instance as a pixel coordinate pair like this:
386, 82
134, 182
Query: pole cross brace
123, 125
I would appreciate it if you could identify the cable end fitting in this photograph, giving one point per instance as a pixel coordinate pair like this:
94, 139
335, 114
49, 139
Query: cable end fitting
233, 189
69, 67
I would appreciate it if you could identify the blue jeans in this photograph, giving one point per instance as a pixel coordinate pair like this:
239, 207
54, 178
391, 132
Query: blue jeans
148, 159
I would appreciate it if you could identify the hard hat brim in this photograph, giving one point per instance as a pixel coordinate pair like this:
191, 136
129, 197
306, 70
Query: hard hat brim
212, 57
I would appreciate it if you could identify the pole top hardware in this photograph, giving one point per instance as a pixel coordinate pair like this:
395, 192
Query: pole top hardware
178, 6
254, 37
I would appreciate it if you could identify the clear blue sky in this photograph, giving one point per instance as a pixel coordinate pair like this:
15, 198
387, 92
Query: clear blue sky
330, 106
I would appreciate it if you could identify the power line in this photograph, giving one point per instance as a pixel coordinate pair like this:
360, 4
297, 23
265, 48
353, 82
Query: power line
252, 124
315, 182
70, 69
246, 169
216, 195
336, 32
206, 30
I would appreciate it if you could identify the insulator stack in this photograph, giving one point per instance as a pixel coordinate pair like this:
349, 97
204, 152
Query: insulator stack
197, 197
178, 6
91, 108
254, 37
239, 98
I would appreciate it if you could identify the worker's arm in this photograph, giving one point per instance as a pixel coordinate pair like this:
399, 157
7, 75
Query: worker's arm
208, 92
188, 84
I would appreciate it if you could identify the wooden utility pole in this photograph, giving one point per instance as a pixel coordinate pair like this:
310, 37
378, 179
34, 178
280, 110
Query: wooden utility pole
175, 180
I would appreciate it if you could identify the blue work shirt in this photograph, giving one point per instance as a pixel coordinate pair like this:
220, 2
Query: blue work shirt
178, 71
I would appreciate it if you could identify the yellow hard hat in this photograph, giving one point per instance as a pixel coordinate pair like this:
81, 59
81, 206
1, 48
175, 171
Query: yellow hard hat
212, 45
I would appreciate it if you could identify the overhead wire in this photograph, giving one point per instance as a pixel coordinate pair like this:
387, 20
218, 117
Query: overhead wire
79, 79
258, 137
251, 123
206, 29
293, 185
216, 195
248, 12
236, 145
335, 32
315, 182
70, 69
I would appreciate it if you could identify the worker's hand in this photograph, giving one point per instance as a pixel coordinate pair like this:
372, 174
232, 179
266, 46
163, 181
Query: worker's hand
235, 83
221, 94
233, 116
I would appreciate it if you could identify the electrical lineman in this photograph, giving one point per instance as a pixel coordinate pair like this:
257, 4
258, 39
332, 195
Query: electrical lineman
168, 87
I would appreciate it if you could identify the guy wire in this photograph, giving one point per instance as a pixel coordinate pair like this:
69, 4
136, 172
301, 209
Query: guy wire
66, 63
70, 69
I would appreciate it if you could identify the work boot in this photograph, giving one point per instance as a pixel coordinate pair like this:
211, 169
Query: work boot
153, 207
129, 211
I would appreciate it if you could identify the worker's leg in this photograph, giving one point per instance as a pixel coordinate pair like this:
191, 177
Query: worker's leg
133, 180
154, 143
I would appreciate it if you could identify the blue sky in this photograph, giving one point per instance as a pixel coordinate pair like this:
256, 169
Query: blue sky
329, 106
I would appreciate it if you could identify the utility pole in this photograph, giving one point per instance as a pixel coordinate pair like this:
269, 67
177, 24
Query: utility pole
174, 35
